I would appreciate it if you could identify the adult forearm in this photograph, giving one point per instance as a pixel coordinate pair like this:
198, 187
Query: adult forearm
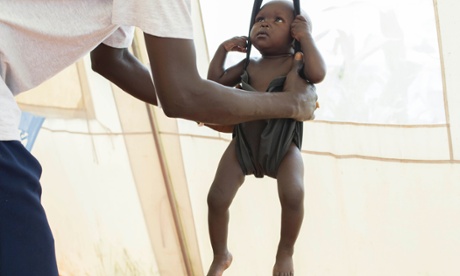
124, 70
184, 94
213, 103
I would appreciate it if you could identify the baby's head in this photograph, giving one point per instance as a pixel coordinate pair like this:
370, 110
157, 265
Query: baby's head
271, 30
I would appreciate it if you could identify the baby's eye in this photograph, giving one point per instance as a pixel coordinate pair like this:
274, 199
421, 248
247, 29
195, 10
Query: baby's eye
279, 19
260, 19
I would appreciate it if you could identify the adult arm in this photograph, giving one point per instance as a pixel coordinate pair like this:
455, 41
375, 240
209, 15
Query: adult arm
184, 94
123, 69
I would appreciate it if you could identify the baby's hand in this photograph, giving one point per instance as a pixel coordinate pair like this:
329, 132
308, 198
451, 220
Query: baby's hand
237, 44
300, 27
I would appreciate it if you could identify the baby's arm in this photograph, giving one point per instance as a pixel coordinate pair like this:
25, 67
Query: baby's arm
232, 75
314, 67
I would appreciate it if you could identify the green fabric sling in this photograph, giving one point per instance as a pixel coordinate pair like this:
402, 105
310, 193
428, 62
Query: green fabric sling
263, 156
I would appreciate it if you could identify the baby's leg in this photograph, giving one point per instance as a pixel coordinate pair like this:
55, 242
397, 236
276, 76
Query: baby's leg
291, 194
227, 181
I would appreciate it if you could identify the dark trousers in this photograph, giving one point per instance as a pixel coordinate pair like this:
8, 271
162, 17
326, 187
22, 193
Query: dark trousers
26, 241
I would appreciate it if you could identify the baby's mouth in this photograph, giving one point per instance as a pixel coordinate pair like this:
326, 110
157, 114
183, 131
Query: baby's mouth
262, 33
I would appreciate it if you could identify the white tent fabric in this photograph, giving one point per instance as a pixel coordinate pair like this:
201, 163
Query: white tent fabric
125, 187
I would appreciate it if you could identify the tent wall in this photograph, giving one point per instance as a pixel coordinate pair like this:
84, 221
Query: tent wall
449, 44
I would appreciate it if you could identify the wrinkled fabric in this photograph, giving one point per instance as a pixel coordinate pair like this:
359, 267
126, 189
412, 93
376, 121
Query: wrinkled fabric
261, 145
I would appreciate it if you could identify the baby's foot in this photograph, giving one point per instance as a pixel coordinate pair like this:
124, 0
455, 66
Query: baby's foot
284, 265
220, 264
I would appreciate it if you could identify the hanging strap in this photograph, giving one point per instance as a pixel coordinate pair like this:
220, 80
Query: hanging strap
297, 12
255, 11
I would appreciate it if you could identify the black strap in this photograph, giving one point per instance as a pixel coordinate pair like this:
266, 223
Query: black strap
297, 12
255, 11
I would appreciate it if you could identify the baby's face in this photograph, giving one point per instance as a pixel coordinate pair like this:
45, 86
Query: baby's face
271, 32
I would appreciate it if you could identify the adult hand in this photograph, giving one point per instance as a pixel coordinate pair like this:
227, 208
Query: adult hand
303, 93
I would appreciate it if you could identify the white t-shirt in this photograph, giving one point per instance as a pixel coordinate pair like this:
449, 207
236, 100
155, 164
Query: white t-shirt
39, 38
